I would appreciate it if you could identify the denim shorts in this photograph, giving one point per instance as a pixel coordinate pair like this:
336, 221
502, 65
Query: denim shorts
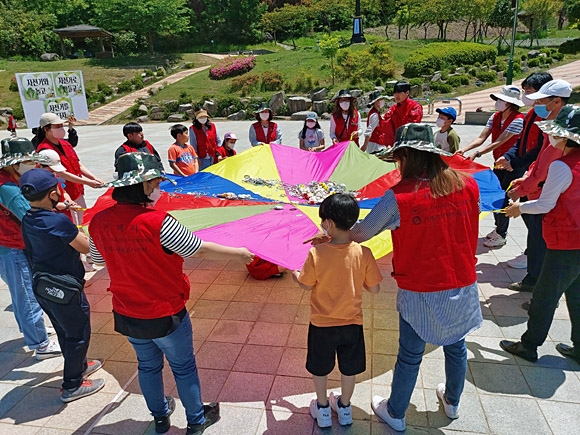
347, 343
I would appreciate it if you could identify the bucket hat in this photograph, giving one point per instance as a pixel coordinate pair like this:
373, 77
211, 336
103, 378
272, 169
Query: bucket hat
17, 150
202, 113
263, 107
417, 136
343, 93
566, 124
509, 94
135, 168
374, 96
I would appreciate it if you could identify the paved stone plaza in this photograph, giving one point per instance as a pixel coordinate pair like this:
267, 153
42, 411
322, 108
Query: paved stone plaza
250, 342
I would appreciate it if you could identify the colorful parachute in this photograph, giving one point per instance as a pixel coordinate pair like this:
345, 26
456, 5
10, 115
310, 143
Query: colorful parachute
265, 198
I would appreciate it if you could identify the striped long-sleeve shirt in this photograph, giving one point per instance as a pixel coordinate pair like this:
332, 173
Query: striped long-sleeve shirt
440, 318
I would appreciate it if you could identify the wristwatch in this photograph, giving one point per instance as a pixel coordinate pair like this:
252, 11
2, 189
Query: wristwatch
478, 154
66, 205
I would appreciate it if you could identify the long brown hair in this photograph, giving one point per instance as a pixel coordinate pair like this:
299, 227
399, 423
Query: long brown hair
443, 180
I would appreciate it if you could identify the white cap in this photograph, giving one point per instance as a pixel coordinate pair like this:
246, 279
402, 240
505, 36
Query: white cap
50, 118
53, 160
555, 88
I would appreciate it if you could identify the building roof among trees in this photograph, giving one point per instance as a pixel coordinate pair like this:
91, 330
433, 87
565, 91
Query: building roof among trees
83, 31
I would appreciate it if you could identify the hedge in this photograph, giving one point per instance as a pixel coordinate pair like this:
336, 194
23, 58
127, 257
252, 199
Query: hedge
439, 55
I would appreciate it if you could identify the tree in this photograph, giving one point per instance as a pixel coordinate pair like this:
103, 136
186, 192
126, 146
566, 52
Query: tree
329, 46
148, 18
388, 9
572, 10
289, 21
536, 15
502, 16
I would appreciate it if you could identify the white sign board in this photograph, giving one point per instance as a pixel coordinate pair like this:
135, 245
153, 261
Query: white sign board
62, 93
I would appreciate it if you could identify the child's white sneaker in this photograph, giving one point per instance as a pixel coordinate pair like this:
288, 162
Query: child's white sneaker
450, 410
321, 415
344, 412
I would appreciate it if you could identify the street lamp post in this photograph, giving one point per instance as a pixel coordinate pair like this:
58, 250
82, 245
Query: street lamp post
510, 71
357, 30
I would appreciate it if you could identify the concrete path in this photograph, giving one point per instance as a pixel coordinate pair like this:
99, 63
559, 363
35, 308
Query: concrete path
250, 344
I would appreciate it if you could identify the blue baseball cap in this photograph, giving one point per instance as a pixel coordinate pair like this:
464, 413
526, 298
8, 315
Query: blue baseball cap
36, 181
449, 111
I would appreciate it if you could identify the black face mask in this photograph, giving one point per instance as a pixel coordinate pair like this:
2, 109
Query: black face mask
53, 202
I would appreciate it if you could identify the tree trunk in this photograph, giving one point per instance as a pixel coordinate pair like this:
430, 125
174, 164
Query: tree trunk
150, 42
332, 68
387, 31
466, 29
407, 31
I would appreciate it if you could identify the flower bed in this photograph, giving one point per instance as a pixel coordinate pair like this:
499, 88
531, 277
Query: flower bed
232, 66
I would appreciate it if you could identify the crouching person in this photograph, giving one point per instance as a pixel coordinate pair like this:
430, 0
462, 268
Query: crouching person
53, 245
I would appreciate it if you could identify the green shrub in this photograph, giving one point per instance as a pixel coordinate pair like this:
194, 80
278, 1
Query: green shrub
137, 81
570, 47
472, 72
149, 73
18, 112
245, 84
105, 89
443, 88
417, 81
135, 112
160, 73
532, 63
227, 102
13, 86
272, 81
548, 60
524, 57
101, 98
371, 63
183, 98
171, 106
558, 56
487, 76
124, 87
437, 55
456, 81
305, 82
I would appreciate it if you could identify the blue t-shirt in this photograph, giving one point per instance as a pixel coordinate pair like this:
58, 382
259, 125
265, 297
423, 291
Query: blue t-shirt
47, 236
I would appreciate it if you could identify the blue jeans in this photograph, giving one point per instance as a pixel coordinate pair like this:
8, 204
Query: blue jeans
178, 349
206, 162
411, 350
15, 271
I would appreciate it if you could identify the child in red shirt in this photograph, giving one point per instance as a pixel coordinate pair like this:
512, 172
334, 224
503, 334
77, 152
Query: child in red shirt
181, 155
227, 148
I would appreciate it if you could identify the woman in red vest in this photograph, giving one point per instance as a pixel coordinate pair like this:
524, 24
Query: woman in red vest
505, 127
264, 130
433, 215
560, 274
144, 249
345, 122
204, 138
375, 138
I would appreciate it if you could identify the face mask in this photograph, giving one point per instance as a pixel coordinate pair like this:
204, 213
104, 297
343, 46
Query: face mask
324, 230
58, 133
53, 202
202, 121
541, 111
345, 105
25, 167
310, 124
501, 105
382, 103
554, 140
230, 145
264, 116
527, 101
154, 196
440, 122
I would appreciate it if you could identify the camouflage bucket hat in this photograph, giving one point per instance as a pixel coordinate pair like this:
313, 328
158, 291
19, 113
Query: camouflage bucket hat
17, 150
343, 93
566, 124
419, 137
374, 96
135, 168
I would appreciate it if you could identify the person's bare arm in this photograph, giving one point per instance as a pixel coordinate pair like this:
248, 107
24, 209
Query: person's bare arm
374, 288
215, 251
176, 169
295, 275
81, 243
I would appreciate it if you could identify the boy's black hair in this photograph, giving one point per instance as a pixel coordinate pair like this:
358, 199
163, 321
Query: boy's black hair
537, 80
133, 194
31, 196
131, 127
177, 129
402, 87
342, 209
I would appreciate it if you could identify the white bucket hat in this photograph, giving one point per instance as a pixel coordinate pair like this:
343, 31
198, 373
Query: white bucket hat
509, 94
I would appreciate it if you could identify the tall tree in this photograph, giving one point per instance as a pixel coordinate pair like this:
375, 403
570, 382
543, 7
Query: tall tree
536, 15
235, 21
290, 21
329, 47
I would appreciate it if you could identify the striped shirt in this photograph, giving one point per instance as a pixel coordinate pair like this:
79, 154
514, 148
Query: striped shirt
515, 127
173, 237
440, 318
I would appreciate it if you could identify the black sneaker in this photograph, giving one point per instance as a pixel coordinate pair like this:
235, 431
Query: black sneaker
211, 413
162, 424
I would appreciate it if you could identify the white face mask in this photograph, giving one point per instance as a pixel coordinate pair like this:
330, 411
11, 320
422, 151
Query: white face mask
154, 196
310, 124
555, 140
440, 122
25, 167
202, 121
324, 230
500, 105
264, 116
381, 103
345, 105
527, 101
58, 133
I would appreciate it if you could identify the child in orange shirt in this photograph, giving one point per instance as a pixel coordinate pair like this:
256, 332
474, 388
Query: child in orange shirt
181, 155
336, 272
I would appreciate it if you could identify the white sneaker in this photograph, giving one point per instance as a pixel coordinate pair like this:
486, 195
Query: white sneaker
497, 242
520, 262
492, 235
321, 415
51, 350
344, 412
379, 405
450, 410
50, 330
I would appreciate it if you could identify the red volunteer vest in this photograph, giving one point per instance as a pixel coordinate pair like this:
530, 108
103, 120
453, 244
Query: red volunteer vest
344, 131
497, 129
206, 141
10, 227
272, 128
70, 160
399, 115
131, 149
434, 248
378, 136
561, 229
222, 152
146, 282
531, 133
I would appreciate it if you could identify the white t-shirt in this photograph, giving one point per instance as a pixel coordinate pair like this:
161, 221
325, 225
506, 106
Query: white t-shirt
312, 138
